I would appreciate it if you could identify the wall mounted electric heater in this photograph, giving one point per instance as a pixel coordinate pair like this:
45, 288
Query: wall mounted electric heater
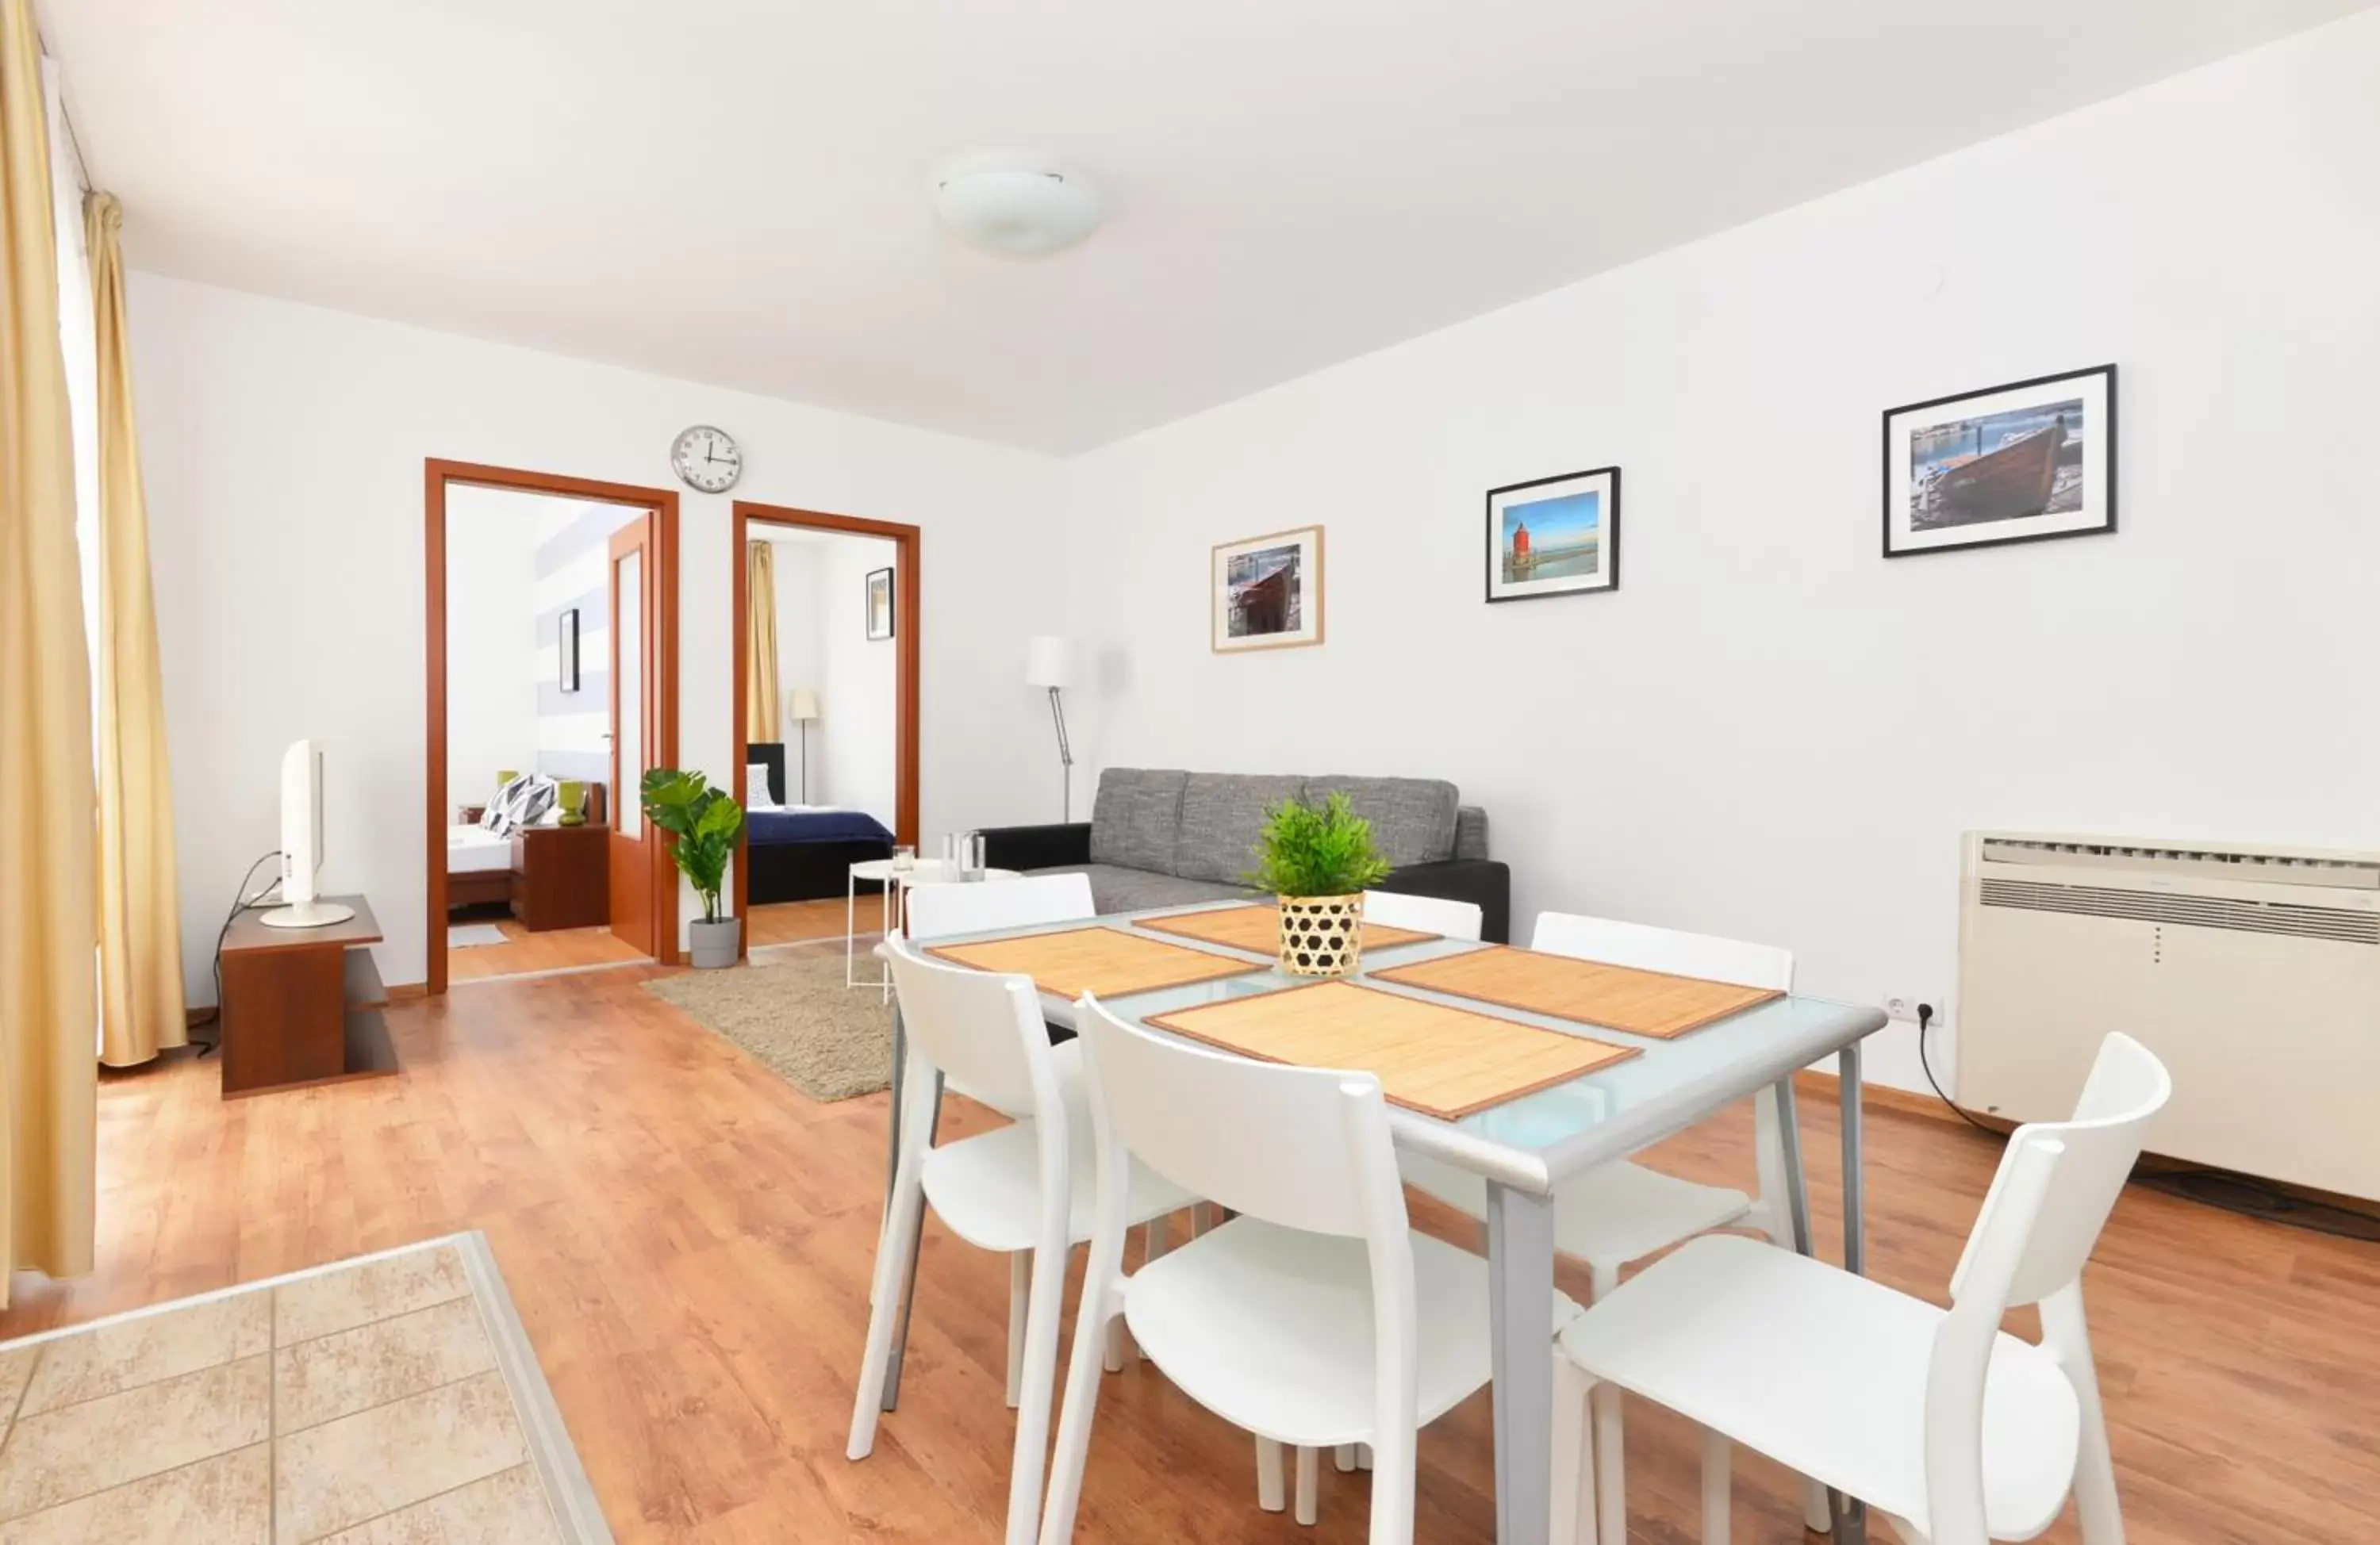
2253, 972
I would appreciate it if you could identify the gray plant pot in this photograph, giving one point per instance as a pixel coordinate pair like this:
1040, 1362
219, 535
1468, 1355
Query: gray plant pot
713, 944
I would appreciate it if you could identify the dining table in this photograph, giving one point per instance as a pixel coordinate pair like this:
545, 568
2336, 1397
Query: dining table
1526, 1147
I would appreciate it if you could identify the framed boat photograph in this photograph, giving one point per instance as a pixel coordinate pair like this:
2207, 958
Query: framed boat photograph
1554, 536
1268, 592
2021, 462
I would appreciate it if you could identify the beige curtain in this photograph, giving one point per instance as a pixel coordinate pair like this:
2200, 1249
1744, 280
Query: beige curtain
139, 927
761, 703
47, 990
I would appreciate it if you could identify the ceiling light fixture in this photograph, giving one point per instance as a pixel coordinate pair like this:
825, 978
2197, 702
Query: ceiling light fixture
1022, 206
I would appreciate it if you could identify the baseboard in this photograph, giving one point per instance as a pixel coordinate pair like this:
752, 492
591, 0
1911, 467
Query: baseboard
1902, 1102
403, 990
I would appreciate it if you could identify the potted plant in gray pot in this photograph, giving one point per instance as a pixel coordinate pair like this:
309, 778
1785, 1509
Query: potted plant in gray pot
706, 821
1316, 861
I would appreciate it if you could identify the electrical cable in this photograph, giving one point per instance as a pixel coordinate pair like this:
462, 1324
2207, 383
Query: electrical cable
1924, 1020
240, 902
2243, 1195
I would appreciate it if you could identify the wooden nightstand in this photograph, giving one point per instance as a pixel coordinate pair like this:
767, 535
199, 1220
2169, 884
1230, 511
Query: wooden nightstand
561, 876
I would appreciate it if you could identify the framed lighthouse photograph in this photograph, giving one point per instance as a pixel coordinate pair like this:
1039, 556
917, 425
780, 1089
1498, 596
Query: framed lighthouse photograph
2021, 462
1554, 536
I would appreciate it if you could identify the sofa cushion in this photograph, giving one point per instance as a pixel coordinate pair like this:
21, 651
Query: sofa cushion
1116, 890
1413, 818
1470, 832
1223, 815
1137, 816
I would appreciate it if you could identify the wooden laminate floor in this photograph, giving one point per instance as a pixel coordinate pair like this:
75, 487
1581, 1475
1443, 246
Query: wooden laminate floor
688, 1242
794, 922
555, 950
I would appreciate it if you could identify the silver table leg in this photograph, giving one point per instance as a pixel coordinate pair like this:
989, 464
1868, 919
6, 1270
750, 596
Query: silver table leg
1797, 1186
1520, 1297
1850, 1513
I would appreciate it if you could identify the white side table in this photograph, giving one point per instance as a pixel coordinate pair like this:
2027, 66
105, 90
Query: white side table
896, 883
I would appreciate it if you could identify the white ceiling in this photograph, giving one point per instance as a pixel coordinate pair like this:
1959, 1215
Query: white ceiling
734, 191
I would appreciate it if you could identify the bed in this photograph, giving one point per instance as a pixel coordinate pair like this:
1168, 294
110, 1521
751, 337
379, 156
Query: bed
480, 862
802, 853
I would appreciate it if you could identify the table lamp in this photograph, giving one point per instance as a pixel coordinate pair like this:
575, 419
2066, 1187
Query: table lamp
801, 706
1050, 662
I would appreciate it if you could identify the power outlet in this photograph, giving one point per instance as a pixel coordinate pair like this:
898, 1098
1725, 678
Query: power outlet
1905, 1008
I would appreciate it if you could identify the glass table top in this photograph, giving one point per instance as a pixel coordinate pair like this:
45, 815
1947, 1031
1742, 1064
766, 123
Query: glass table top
1556, 1131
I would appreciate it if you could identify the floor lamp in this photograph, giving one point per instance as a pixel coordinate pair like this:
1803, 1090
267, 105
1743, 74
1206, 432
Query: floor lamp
1050, 662
801, 706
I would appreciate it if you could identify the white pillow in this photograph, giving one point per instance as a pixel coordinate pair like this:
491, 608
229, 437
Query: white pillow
756, 786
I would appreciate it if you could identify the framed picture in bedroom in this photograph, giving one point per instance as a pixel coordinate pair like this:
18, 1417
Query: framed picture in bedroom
1268, 592
880, 603
2022, 463
1554, 536
568, 653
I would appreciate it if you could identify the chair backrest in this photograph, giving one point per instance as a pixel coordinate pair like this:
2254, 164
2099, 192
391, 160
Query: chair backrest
2039, 1254
983, 1029
1427, 914
2057, 1183
940, 909
1305, 1147
1646, 948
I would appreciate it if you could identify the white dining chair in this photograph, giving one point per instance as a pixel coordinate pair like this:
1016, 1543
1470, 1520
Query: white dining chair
1316, 1316
1624, 1212
1956, 1431
1024, 1189
1423, 914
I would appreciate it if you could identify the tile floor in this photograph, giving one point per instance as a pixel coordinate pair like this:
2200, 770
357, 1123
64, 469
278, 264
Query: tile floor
360, 1405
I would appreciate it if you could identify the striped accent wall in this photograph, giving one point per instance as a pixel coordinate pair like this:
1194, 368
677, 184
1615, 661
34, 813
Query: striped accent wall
574, 569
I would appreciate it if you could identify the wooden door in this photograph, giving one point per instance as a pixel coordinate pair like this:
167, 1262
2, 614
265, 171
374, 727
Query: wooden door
637, 862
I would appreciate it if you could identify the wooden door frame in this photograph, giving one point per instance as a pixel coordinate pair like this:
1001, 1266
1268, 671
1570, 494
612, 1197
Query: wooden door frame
661, 615
905, 616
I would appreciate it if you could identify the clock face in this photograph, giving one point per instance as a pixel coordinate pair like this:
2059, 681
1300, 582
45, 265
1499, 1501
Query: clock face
705, 458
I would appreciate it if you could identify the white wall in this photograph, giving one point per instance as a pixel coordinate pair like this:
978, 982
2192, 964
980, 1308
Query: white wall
797, 654
282, 446
1768, 731
858, 684
491, 655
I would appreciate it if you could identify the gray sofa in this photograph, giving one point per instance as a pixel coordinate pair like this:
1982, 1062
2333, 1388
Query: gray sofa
1162, 836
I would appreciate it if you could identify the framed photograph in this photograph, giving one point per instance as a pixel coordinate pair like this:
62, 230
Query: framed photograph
569, 650
1554, 536
2021, 462
1268, 592
880, 603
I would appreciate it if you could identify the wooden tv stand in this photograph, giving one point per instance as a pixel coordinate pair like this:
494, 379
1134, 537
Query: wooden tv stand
302, 1005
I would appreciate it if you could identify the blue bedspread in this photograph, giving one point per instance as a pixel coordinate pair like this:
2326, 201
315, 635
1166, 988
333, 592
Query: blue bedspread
768, 828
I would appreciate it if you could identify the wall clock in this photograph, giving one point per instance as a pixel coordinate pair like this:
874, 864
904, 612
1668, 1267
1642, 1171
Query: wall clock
706, 459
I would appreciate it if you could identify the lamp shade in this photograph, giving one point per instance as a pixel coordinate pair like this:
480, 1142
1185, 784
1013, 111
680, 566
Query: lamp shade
801, 704
1049, 663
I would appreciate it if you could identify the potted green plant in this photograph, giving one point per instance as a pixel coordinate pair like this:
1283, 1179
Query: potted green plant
706, 822
1316, 861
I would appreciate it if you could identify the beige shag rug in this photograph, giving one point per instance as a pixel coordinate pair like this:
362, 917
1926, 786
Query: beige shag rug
829, 1040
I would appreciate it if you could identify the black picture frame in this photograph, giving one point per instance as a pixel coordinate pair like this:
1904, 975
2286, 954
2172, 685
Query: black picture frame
1610, 570
567, 672
881, 594
2108, 444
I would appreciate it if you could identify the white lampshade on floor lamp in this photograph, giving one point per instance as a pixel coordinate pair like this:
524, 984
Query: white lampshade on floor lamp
801, 706
1050, 662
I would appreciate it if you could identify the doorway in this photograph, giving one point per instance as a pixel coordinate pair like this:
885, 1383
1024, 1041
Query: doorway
851, 745
550, 675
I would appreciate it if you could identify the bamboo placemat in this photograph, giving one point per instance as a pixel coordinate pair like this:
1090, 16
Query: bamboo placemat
1258, 929
1108, 962
1616, 997
1443, 1062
